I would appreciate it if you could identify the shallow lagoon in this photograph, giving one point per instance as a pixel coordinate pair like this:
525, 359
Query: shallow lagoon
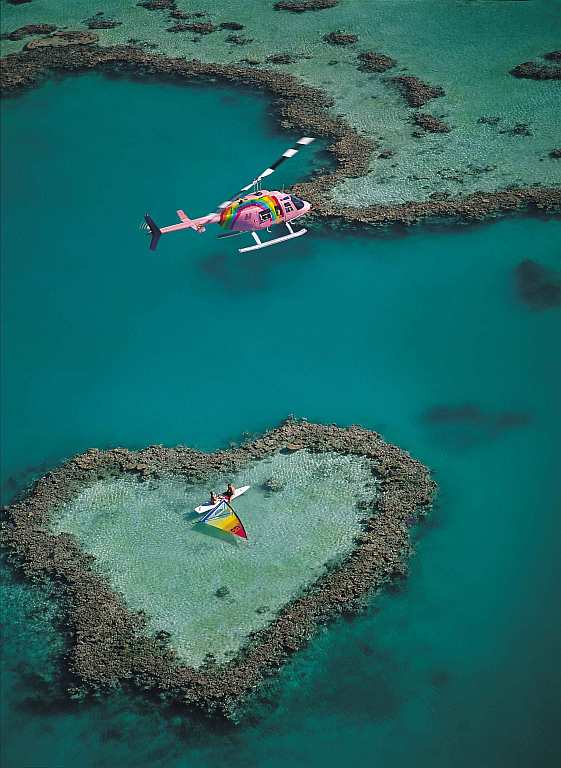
106, 343
145, 537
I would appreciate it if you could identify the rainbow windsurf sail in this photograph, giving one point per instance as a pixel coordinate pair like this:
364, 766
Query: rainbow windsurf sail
223, 516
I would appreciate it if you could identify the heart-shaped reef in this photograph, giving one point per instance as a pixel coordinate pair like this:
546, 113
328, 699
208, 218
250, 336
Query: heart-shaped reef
154, 596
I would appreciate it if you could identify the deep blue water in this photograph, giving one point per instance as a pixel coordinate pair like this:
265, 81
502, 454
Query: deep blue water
105, 343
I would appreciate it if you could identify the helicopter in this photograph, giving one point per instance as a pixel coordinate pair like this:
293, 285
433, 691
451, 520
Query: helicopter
258, 210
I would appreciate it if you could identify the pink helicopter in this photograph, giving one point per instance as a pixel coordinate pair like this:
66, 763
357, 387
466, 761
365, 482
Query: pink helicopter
258, 210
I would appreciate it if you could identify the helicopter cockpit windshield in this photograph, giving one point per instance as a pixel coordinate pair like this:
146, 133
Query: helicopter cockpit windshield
298, 204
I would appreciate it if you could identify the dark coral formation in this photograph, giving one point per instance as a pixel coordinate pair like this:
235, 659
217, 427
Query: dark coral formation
188, 15
233, 25
282, 58
108, 642
532, 70
553, 56
97, 23
340, 38
473, 414
465, 426
538, 286
415, 91
63, 40
488, 120
18, 2
158, 5
239, 40
370, 61
301, 6
430, 123
518, 129
555, 154
199, 27
299, 107
136, 42
29, 29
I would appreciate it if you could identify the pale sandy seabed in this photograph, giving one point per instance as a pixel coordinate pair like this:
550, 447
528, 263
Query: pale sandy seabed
145, 538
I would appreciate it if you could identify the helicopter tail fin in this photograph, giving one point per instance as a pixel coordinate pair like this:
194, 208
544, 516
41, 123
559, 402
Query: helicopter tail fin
155, 231
188, 223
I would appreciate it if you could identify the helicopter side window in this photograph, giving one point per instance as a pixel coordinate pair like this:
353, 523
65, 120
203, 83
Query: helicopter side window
299, 204
265, 216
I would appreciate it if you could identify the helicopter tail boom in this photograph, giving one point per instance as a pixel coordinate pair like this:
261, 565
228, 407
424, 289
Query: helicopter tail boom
185, 223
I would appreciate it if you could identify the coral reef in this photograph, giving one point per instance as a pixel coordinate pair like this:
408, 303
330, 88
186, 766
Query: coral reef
299, 107
240, 40
282, 58
95, 22
340, 38
430, 123
538, 286
199, 27
415, 92
29, 29
63, 40
532, 70
108, 642
158, 5
300, 6
370, 61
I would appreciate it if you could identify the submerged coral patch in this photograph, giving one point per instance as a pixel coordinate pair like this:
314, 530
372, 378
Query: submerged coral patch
466, 425
111, 640
29, 29
301, 6
538, 286
416, 92
370, 61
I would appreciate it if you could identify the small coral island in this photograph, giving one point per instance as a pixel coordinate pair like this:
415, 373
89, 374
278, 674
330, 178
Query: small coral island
109, 643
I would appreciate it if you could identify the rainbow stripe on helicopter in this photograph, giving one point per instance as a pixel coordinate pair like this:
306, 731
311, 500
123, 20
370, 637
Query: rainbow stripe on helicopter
232, 213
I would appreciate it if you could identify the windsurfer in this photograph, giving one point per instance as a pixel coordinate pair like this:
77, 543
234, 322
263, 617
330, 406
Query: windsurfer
213, 498
229, 492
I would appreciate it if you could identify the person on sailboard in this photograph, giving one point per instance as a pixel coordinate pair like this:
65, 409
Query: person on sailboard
230, 491
213, 498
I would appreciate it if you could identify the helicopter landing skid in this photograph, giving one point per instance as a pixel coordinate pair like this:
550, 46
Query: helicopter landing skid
260, 244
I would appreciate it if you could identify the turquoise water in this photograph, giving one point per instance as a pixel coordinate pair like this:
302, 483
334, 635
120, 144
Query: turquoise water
106, 344
466, 46
146, 538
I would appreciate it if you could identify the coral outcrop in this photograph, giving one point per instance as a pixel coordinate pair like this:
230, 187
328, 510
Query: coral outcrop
370, 61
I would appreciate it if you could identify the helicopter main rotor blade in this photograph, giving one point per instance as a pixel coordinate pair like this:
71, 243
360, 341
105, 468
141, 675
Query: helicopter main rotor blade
288, 153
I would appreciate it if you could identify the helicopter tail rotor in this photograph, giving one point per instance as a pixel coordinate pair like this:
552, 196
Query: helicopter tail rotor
155, 231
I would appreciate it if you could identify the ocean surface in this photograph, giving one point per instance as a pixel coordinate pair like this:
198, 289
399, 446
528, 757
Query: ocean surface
467, 47
421, 335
